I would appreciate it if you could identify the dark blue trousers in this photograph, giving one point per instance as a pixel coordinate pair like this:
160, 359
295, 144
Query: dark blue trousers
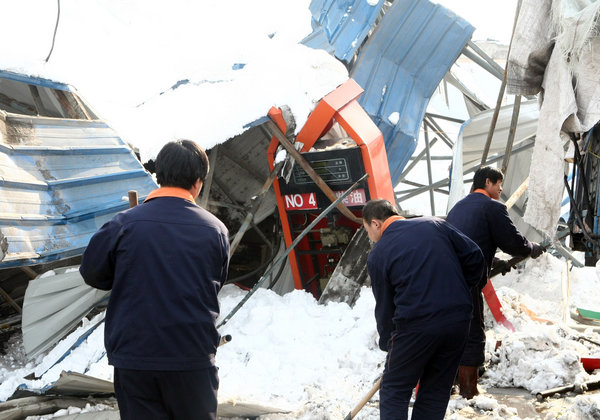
173, 395
474, 354
429, 356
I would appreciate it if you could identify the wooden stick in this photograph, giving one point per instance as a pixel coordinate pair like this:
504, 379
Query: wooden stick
133, 198
212, 167
517, 194
274, 129
365, 400
10, 301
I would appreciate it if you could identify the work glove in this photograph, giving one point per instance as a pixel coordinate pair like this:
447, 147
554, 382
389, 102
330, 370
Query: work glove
502, 266
537, 250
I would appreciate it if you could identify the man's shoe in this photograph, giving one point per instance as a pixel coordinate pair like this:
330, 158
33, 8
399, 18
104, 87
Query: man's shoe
467, 381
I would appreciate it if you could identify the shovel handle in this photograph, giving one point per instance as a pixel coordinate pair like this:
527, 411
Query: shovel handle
365, 400
224, 339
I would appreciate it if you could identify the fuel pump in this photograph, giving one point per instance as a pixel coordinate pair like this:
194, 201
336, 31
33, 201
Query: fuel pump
341, 143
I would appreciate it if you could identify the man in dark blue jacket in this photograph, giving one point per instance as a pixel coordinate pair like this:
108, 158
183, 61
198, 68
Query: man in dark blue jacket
421, 274
165, 261
486, 222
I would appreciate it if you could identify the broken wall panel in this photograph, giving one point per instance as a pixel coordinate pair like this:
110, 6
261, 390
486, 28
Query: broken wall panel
400, 66
60, 178
341, 26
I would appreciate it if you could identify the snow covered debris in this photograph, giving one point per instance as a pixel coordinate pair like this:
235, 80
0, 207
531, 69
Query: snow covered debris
276, 352
537, 359
318, 361
200, 76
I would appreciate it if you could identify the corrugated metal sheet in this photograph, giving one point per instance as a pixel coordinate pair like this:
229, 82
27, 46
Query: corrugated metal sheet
474, 132
60, 180
341, 26
400, 66
36, 81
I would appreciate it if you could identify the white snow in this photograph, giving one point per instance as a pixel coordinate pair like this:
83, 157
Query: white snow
318, 361
239, 57
394, 117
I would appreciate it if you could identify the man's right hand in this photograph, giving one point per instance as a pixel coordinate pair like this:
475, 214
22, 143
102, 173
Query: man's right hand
501, 266
537, 250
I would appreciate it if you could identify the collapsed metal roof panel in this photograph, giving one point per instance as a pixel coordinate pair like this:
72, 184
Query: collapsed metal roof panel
341, 26
60, 178
401, 64
474, 132
32, 80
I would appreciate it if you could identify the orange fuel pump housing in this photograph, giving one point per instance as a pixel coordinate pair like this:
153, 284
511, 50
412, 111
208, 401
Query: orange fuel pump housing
341, 143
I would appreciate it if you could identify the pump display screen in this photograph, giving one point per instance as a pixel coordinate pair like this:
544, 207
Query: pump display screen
330, 170
339, 168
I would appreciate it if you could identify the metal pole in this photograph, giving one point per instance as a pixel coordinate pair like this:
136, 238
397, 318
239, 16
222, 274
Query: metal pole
290, 248
434, 126
498, 69
511, 132
437, 184
255, 206
485, 64
488, 142
416, 159
429, 176
446, 118
486, 150
445, 181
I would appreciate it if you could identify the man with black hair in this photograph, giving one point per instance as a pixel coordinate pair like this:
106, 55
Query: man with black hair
421, 273
165, 261
486, 222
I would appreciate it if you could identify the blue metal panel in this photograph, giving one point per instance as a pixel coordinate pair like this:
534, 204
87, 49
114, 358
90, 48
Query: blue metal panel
61, 180
37, 81
341, 26
400, 66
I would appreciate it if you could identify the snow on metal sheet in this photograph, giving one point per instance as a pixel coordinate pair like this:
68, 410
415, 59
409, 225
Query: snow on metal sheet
400, 66
60, 178
341, 26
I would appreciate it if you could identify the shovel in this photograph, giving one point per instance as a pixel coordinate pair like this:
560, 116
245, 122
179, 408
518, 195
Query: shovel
365, 400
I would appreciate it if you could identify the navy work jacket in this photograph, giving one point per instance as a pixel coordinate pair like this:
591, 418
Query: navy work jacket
487, 223
422, 271
165, 261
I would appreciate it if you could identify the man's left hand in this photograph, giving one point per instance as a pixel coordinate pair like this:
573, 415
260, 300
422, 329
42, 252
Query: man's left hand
537, 250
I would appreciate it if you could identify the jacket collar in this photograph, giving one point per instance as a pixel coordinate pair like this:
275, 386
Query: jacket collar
170, 192
482, 191
389, 221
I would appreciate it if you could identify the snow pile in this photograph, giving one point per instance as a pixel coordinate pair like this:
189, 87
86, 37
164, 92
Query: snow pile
543, 352
157, 71
459, 408
537, 358
290, 350
211, 112
318, 361
88, 358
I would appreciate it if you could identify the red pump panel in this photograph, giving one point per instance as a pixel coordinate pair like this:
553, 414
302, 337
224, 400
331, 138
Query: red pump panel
341, 107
